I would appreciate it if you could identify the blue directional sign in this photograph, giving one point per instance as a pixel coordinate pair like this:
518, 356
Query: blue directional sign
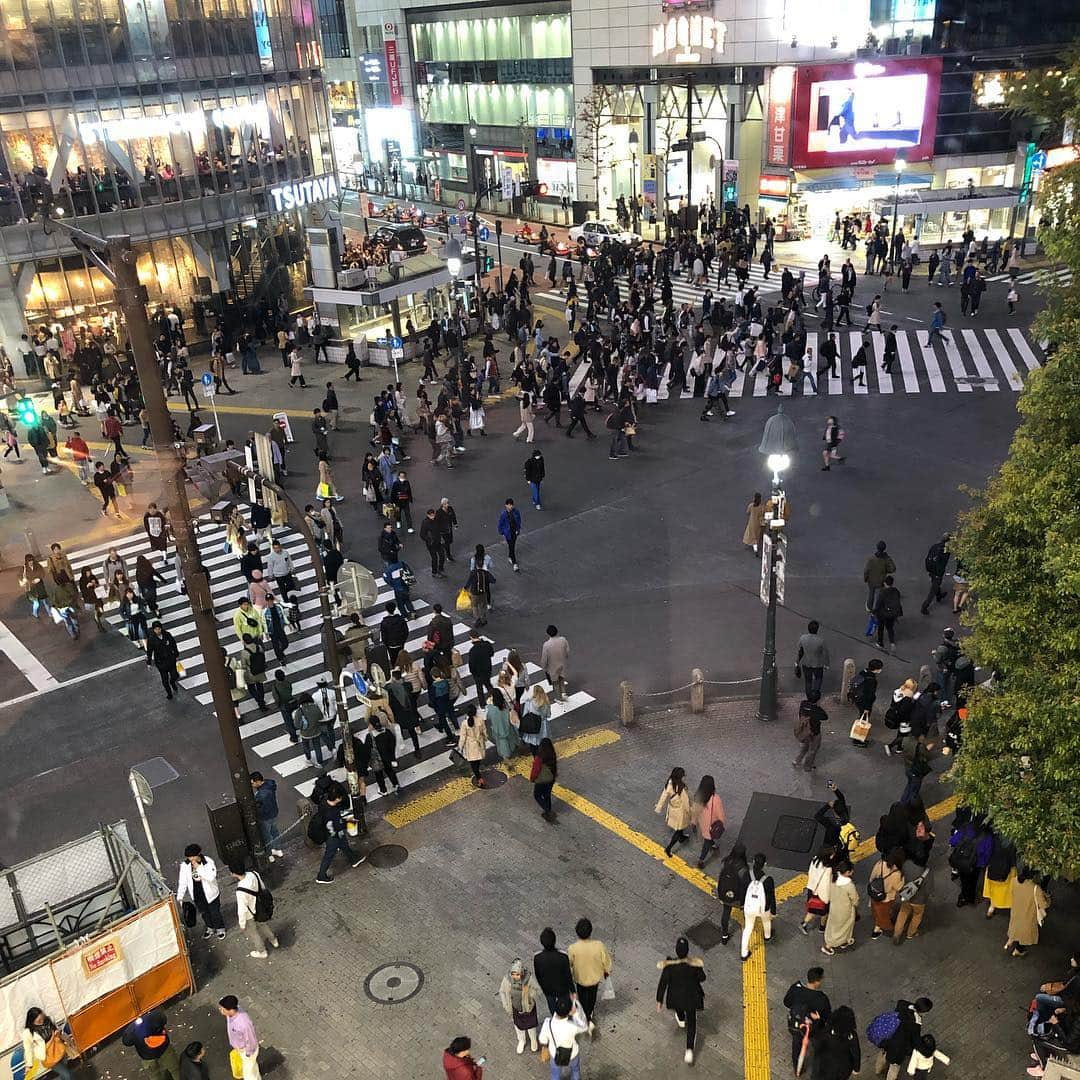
484, 232
395, 343
1038, 161
207, 378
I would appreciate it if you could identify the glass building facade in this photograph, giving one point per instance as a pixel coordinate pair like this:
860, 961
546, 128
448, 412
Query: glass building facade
169, 120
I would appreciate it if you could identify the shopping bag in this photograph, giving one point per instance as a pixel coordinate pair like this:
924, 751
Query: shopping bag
871, 626
464, 601
860, 730
606, 992
179, 669
236, 1064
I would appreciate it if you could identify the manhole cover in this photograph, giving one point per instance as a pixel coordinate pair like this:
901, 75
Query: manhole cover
494, 778
704, 934
794, 833
393, 983
388, 855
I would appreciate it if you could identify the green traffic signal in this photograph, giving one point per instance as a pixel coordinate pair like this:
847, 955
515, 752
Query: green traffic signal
27, 411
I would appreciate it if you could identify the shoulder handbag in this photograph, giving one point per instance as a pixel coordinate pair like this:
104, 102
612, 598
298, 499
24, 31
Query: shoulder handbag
188, 914
55, 1049
875, 888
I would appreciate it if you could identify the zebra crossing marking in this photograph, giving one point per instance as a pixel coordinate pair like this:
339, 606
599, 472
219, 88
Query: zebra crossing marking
264, 733
979, 357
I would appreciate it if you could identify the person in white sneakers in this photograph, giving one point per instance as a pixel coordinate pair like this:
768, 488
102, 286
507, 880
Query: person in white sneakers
265, 792
251, 903
680, 988
559, 1037
760, 903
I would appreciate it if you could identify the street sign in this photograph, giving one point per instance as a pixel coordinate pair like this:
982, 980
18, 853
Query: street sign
680, 146
357, 587
282, 421
484, 232
395, 342
397, 354
767, 541
207, 378
1038, 161
461, 204
208, 390
698, 136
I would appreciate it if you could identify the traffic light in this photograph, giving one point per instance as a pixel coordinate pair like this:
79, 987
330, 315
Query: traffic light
27, 412
535, 190
489, 263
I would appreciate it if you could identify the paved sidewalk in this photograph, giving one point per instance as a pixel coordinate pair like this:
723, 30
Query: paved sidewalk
485, 874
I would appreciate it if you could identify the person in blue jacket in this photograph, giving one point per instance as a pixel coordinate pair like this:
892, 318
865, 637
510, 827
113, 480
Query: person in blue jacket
510, 530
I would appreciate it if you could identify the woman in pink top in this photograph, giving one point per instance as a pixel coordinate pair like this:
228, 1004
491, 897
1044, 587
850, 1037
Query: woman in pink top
709, 816
258, 590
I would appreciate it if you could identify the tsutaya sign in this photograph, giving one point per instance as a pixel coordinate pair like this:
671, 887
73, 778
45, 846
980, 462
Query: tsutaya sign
304, 193
689, 38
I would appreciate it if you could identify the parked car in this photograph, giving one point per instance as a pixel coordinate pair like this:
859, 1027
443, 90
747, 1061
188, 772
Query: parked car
594, 233
402, 236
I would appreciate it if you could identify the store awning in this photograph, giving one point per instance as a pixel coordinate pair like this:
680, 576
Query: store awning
955, 200
850, 183
386, 291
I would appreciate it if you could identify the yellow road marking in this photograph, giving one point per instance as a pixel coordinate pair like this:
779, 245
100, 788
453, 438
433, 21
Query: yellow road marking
461, 787
757, 1062
239, 410
639, 840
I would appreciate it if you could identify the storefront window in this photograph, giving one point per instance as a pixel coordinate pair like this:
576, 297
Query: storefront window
503, 38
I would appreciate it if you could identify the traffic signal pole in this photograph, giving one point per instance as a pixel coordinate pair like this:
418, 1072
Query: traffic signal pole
116, 259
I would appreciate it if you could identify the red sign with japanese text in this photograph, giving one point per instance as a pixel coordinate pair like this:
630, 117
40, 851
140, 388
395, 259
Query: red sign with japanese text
778, 116
393, 72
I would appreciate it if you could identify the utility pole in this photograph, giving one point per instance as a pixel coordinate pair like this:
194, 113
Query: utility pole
330, 650
115, 258
498, 245
689, 146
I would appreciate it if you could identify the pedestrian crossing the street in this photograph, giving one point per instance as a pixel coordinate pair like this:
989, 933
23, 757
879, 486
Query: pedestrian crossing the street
968, 360
263, 732
682, 291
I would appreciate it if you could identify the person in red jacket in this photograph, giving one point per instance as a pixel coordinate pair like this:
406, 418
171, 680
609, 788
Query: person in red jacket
458, 1063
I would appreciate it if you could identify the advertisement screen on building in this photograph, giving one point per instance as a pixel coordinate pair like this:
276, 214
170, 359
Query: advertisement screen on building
862, 113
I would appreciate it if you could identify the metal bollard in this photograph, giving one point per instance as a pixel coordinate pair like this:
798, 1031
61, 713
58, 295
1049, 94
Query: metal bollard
697, 691
845, 679
31, 543
626, 704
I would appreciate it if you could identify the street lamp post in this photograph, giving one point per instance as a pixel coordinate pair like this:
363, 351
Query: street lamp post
899, 164
778, 443
634, 140
452, 254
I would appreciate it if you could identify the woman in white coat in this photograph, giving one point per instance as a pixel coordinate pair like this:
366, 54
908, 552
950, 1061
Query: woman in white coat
198, 885
818, 889
45, 1049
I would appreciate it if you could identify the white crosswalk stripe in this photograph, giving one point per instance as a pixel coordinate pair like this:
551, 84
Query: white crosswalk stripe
264, 733
989, 360
1061, 275
682, 291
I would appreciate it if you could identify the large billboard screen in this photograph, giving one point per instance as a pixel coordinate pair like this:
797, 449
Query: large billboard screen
863, 113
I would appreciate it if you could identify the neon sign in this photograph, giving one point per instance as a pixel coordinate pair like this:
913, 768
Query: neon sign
688, 37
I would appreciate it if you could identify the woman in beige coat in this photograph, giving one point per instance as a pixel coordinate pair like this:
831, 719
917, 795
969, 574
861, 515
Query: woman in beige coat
755, 523
679, 816
843, 909
472, 742
1029, 904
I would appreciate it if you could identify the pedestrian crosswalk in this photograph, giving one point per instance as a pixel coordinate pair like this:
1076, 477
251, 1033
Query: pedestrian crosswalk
1053, 275
684, 292
988, 360
263, 732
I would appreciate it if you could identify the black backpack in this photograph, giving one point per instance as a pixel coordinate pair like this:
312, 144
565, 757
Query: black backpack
530, 723
258, 662
964, 856
264, 901
892, 716
317, 831
731, 885
856, 688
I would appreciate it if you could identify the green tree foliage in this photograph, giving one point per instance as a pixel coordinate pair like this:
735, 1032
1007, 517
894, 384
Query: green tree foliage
1021, 543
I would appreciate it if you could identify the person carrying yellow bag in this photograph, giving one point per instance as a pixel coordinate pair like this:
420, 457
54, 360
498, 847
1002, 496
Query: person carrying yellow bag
243, 1039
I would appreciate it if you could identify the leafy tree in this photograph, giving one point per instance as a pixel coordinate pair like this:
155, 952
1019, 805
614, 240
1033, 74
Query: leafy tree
593, 141
1021, 544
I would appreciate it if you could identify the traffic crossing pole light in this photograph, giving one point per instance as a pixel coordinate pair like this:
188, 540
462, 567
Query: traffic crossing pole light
116, 260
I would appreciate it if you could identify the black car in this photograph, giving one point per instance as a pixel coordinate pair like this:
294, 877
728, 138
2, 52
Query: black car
404, 237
